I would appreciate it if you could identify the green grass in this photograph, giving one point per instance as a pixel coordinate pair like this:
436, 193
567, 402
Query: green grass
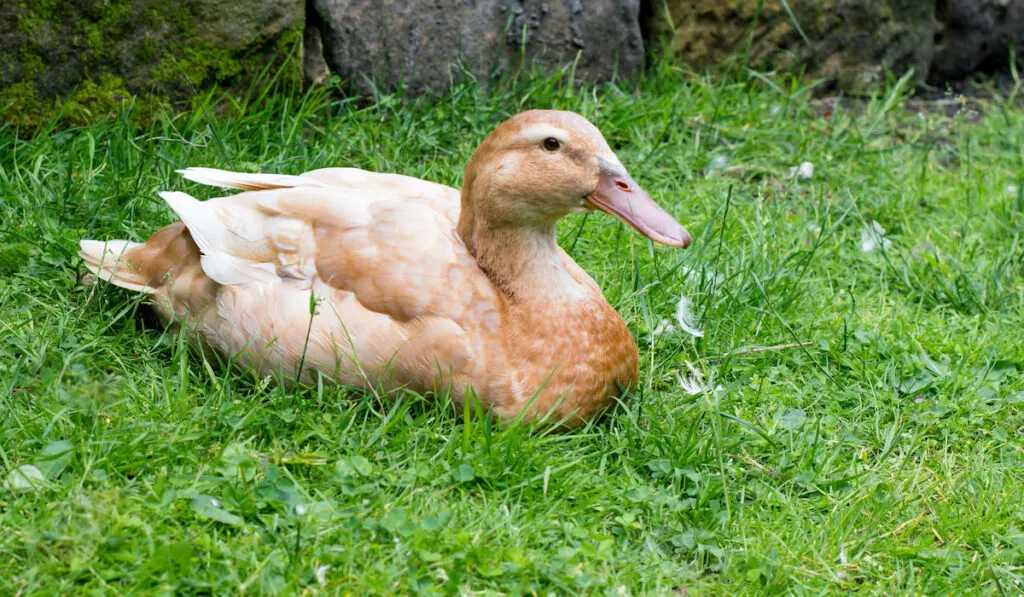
884, 455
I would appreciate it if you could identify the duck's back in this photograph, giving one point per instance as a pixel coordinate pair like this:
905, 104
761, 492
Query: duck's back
359, 276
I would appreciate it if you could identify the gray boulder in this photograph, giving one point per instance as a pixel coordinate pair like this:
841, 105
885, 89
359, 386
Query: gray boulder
976, 34
427, 44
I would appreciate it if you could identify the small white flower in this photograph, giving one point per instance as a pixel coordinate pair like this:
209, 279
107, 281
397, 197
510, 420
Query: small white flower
1011, 189
684, 317
321, 574
300, 509
803, 172
718, 162
872, 236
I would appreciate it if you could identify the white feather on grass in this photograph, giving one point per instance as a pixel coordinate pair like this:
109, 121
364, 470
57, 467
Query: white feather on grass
872, 236
664, 327
684, 317
695, 383
802, 172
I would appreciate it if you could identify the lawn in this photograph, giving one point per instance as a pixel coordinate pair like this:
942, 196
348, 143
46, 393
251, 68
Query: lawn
877, 446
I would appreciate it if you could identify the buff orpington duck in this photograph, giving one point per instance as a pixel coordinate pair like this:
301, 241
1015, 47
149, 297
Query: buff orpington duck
416, 284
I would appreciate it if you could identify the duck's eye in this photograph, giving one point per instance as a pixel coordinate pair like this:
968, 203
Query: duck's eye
552, 144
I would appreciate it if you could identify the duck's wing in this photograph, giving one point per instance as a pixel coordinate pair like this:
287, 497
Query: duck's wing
397, 298
390, 240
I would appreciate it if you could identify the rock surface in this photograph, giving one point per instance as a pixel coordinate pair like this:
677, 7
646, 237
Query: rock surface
426, 44
49, 48
976, 35
94, 53
847, 41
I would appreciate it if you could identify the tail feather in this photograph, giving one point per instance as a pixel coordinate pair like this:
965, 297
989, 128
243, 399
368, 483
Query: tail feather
108, 262
216, 241
206, 230
247, 182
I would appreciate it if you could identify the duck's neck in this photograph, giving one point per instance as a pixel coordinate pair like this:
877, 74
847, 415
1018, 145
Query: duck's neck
523, 262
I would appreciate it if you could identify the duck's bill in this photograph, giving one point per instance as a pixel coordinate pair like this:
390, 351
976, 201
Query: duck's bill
619, 195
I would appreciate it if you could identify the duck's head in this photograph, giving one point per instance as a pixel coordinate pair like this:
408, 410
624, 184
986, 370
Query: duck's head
541, 165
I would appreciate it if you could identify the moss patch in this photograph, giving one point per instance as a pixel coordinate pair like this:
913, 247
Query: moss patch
97, 55
198, 63
108, 97
22, 105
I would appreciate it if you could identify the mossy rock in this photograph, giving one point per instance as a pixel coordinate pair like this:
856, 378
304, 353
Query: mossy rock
850, 42
100, 53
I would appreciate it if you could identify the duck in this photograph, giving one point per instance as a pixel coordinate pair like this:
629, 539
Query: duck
383, 281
